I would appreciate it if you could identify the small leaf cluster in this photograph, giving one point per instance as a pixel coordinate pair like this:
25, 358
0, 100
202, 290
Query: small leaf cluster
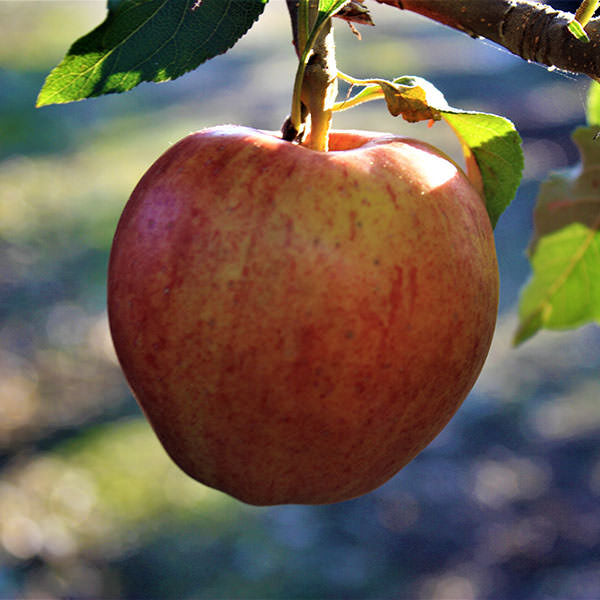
564, 290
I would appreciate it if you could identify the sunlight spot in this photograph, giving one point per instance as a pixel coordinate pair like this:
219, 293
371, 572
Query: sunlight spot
449, 587
21, 537
58, 541
573, 414
500, 482
75, 493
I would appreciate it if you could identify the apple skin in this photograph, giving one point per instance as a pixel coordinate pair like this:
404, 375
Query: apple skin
297, 326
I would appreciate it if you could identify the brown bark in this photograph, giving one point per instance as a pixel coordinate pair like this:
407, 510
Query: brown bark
531, 30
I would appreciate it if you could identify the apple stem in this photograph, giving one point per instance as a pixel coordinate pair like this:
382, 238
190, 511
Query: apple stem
319, 88
315, 86
586, 11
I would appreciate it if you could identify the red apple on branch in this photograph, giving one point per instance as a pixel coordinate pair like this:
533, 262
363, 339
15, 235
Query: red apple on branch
298, 325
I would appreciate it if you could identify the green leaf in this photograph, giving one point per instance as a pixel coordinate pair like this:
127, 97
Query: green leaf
492, 149
148, 40
577, 31
593, 104
564, 290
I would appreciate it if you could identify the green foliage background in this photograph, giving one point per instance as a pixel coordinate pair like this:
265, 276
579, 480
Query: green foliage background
505, 504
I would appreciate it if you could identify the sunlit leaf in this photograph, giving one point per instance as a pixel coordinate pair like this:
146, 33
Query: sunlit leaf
150, 40
414, 98
493, 154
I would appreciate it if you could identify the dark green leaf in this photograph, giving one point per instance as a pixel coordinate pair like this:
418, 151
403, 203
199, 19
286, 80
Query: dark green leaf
113, 4
148, 40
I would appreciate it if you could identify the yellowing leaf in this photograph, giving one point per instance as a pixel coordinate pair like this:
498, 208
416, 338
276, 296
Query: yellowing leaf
413, 98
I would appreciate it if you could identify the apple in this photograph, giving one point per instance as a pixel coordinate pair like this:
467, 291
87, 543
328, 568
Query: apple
298, 325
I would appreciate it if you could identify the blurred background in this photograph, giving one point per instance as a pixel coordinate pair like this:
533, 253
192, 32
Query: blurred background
505, 504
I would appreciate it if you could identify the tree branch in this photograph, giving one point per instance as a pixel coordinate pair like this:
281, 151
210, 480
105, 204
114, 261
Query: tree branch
531, 30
